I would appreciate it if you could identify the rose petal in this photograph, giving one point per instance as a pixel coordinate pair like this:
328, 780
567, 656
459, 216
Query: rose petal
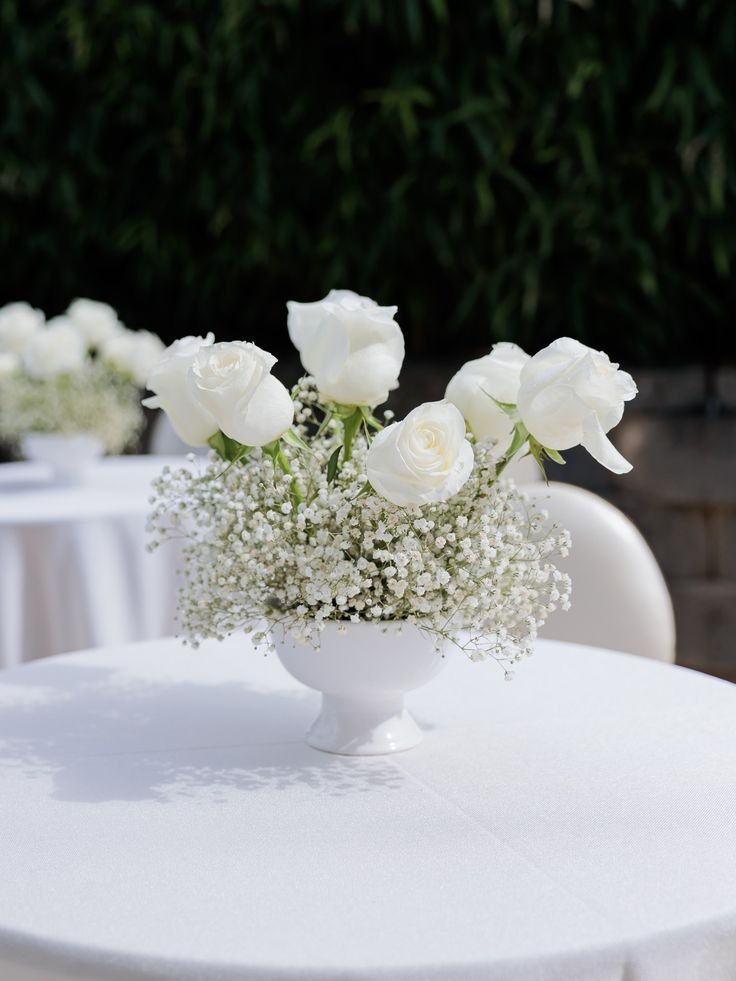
601, 448
263, 418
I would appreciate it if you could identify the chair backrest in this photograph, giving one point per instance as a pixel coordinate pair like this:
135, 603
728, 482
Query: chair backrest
619, 596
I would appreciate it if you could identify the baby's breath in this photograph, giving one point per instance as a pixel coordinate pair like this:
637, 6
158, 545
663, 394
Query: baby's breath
94, 400
297, 550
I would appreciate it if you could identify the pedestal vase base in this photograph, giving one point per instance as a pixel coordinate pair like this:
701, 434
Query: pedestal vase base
354, 729
362, 671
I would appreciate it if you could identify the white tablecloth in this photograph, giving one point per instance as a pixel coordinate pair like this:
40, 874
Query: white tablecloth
161, 817
74, 571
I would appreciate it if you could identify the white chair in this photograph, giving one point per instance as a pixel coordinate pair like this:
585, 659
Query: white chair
619, 596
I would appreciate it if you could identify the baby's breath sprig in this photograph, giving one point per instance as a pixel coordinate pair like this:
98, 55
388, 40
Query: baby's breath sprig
477, 569
95, 399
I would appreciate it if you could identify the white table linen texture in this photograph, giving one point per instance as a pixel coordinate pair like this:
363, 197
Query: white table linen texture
162, 818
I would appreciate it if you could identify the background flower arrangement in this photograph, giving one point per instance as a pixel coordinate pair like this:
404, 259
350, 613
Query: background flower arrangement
313, 510
79, 373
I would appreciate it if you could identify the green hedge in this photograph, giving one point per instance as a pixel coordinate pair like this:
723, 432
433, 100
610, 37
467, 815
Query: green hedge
498, 169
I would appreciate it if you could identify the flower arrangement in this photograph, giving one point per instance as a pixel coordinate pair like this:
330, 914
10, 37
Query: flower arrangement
77, 373
312, 510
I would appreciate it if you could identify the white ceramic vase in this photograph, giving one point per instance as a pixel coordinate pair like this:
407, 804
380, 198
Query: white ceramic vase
363, 672
69, 457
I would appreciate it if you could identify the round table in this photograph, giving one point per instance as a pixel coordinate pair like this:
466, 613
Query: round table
74, 571
162, 818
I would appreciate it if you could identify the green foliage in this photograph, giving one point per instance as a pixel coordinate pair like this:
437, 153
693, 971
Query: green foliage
499, 169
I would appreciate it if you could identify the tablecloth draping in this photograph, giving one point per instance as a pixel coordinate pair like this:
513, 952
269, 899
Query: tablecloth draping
74, 571
161, 817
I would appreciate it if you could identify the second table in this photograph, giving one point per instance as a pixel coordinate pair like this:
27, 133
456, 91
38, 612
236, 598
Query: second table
74, 570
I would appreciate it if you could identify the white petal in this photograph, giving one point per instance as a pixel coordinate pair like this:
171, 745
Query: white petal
473, 396
601, 448
326, 349
302, 320
366, 378
191, 421
554, 416
396, 474
262, 419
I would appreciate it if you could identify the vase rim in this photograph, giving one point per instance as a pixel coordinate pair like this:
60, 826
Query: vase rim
362, 625
74, 434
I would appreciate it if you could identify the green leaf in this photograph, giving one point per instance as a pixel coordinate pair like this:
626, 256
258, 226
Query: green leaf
228, 449
554, 455
538, 452
508, 407
332, 464
292, 437
272, 450
365, 489
521, 435
217, 442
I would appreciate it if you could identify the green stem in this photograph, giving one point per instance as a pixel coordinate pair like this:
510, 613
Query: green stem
283, 462
350, 426
521, 436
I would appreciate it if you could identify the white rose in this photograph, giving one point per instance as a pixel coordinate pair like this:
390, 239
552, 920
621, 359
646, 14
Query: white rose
571, 395
9, 363
19, 323
476, 385
353, 347
56, 350
133, 352
233, 382
96, 322
422, 459
172, 393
